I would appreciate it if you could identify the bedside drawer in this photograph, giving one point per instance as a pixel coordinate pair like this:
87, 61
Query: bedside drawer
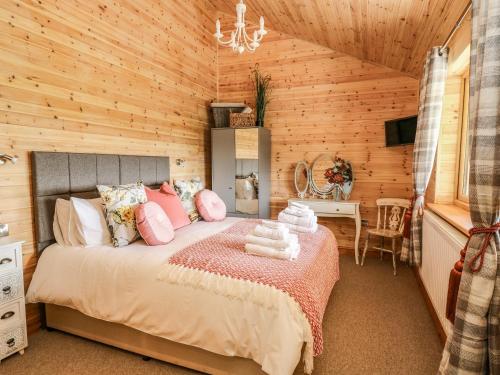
11, 287
12, 340
10, 259
12, 315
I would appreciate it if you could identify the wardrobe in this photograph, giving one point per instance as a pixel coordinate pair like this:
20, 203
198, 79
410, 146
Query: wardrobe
241, 170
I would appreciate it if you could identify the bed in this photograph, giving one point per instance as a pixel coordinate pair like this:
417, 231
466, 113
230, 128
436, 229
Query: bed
133, 298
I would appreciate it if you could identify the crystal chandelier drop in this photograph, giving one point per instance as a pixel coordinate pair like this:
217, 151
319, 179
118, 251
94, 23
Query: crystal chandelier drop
240, 40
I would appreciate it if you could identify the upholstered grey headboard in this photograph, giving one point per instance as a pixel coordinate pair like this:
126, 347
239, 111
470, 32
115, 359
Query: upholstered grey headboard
63, 175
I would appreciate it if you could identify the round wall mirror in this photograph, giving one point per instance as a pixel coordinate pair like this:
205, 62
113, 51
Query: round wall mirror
319, 183
301, 178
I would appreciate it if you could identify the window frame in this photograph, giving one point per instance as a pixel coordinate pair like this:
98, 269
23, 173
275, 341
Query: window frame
461, 199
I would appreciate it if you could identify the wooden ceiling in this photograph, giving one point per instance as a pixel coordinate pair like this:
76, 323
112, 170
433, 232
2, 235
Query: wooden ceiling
394, 33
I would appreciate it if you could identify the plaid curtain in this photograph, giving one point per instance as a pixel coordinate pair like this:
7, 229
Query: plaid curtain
430, 107
474, 345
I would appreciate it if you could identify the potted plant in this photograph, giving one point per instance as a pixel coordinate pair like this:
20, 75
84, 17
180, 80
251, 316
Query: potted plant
262, 87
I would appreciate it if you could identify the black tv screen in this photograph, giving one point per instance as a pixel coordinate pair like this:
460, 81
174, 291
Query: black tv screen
400, 131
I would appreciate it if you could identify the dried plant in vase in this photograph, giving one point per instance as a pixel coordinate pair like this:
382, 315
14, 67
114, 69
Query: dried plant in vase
262, 87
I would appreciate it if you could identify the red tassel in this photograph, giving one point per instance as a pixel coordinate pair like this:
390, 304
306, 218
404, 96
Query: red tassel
453, 286
407, 223
456, 272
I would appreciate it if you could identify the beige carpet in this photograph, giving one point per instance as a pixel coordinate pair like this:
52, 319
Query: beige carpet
375, 323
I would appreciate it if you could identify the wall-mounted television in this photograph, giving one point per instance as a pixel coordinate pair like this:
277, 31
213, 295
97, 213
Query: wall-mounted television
400, 131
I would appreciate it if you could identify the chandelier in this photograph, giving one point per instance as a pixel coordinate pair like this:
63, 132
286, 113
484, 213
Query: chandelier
240, 40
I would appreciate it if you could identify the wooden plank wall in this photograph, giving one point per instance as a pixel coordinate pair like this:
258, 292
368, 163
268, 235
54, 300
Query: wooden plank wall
110, 77
324, 101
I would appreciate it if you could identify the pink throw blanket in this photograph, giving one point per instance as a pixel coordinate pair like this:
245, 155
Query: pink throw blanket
309, 279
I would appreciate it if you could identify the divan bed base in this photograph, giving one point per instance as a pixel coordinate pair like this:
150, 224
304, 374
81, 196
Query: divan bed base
72, 321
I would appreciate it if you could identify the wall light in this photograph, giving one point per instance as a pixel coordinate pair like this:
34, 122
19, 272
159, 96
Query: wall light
5, 157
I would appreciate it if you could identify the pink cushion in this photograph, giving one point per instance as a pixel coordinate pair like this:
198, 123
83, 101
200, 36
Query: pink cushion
210, 206
167, 189
171, 204
153, 224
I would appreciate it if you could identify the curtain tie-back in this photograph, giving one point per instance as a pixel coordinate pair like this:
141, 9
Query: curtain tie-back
419, 202
456, 272
486, 241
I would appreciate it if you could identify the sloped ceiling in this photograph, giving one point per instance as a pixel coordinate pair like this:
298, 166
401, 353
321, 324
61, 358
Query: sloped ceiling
394, 33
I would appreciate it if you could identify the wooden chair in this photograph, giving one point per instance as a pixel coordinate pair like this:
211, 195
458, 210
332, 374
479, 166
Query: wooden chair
390, 226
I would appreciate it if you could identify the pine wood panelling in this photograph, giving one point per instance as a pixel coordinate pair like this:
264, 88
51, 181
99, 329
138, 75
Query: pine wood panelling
325, 101
394, 33
122, 77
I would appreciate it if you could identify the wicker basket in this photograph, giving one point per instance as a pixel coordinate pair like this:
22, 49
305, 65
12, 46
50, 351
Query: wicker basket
221, 112
241, 120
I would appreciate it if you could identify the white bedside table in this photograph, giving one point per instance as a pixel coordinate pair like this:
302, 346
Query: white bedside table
331, 208
13, 332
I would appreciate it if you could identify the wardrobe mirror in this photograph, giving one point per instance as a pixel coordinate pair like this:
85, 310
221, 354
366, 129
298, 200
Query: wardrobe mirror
247, 171
301, 178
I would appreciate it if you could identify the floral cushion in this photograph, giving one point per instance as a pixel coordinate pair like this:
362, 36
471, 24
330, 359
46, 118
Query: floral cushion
187, 189
120, 202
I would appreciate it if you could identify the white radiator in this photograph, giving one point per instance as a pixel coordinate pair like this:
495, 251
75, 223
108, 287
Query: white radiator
440, 250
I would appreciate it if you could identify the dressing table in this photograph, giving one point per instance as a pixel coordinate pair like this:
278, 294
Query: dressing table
331, 208
314, 179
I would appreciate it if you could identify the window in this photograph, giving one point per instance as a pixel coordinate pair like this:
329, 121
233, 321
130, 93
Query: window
464, 167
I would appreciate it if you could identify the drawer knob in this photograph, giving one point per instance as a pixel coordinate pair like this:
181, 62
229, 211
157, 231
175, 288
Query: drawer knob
7, 315
338, 209
5, 261
6, 290
11, 342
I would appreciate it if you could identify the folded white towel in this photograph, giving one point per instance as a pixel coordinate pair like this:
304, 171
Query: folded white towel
263, 241
298, 205
274, 234
302, 229
298, 212
305, 221
273, 224
290, 253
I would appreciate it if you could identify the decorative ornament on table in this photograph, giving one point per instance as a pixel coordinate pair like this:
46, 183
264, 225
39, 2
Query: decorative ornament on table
341, 177
240, 41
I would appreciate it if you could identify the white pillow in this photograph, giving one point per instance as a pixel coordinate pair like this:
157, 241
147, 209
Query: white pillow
64, 225
57, 229
91, 227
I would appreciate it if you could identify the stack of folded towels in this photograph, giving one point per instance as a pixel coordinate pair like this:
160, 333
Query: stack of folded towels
299, 218
274, 240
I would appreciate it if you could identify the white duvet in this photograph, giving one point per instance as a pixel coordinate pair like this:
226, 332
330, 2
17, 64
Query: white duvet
122, 285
